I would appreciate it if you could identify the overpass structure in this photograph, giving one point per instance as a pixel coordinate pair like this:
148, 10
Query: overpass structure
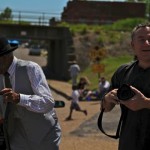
58, 39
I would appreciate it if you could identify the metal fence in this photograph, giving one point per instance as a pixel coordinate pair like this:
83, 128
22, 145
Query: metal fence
34, 18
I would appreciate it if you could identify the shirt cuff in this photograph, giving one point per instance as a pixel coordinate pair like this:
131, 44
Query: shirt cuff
24, 100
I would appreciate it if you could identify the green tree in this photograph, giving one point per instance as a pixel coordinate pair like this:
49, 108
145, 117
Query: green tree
6, 14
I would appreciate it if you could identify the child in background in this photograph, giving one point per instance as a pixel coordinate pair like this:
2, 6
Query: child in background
75, 102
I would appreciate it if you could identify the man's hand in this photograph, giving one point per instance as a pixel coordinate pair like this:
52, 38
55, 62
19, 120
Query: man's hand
110, 100
111, 97
10, 96
139, 101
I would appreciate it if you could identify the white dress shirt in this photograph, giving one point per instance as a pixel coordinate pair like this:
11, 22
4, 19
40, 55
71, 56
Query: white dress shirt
42, 100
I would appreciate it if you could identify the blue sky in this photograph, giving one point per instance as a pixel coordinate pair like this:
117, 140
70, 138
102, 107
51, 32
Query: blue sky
49, 6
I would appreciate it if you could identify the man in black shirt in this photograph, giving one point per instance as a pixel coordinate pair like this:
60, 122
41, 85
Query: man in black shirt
135, 131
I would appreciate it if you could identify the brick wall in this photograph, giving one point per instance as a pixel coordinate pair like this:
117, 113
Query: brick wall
101, 12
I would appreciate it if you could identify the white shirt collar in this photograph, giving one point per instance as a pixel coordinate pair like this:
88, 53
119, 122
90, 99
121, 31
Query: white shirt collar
12, 67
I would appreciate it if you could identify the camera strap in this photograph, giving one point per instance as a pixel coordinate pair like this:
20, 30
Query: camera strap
99, 123
123, 110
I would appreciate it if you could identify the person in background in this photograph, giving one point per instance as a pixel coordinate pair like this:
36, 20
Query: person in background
135, 131
75, 102
103, 87
32, 123
74, 70
82, 87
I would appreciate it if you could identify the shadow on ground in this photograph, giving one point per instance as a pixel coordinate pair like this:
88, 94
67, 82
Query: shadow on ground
89, 127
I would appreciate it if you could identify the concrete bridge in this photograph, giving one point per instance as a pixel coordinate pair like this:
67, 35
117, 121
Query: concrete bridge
58, 39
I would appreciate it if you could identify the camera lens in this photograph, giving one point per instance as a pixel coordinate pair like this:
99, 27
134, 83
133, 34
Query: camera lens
125, 92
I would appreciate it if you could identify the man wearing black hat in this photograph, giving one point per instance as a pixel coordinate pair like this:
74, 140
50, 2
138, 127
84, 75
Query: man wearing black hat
27, 106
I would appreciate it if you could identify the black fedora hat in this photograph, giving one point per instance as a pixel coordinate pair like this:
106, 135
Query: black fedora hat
5, 47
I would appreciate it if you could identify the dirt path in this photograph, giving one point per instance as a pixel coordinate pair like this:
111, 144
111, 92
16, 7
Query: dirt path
83, 141
82, 132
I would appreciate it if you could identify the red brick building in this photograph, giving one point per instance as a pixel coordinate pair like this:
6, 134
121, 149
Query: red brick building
101, 12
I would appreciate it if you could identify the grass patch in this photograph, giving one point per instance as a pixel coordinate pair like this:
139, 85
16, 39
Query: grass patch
111, 64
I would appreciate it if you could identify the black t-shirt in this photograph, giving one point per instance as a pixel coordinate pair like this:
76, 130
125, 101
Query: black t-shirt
135, 132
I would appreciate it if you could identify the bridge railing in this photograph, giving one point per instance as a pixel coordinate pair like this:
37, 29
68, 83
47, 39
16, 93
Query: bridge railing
35, 18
